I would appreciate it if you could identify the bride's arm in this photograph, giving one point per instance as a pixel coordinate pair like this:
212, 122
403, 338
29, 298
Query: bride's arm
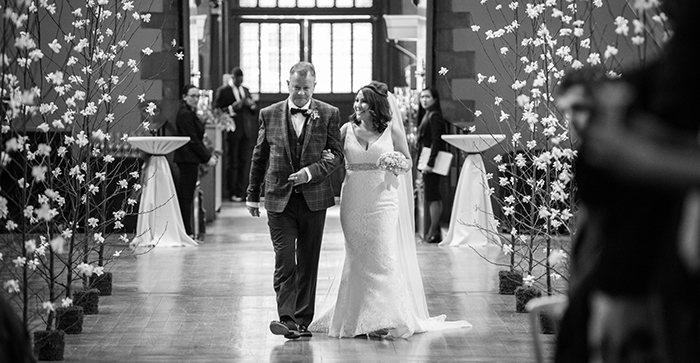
400, 142
343, 132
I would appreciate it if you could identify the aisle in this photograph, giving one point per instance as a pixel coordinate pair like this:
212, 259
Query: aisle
213, 303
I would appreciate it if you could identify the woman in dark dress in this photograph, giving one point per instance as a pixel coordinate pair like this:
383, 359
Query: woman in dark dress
192, 154
430, 130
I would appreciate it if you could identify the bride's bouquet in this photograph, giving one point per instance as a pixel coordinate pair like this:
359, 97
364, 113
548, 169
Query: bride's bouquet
394, 162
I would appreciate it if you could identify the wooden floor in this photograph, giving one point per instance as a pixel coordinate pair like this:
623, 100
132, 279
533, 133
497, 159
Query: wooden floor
213, 303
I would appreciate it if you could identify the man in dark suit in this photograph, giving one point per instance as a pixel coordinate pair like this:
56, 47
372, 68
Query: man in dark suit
234, 99
287, 158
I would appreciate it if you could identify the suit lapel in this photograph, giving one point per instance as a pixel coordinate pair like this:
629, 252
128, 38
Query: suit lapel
308, 125
284, 118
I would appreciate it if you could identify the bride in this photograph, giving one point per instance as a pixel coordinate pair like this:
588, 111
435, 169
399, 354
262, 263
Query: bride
381, 291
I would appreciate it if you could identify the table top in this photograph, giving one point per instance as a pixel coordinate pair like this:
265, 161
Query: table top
474, 143
159, 145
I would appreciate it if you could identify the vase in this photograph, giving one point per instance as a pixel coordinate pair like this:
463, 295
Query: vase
102, 283
70, 319
523, 294
88, 299
49, 344
508, 281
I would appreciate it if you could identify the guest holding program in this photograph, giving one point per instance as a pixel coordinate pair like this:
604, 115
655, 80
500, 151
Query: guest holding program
192, 154
430, 131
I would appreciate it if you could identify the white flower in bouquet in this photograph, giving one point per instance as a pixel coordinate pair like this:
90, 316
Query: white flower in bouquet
394, 162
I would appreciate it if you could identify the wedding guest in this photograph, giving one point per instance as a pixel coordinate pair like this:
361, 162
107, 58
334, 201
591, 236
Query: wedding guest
646, 299
191, 155
15, 345
236, 100
430, 130
575, 99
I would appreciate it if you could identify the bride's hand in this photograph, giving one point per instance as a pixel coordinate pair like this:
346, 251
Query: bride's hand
327, 155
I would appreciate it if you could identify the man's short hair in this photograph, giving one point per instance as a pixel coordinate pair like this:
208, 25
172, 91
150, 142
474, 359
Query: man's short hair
304, 69
236, 72
587, 77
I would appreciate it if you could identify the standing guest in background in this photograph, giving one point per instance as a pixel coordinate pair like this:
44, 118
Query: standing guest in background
192, 154
235, 99
288, 159
430, 131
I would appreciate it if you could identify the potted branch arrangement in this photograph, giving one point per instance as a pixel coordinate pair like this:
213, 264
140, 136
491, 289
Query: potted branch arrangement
65, 182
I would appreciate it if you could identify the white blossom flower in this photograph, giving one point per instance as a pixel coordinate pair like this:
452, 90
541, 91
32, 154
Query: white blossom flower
55, 46
646, 4
180, 56
57, 244
555, 257
528, 280
622, 26
507, 248
610, 51
593, 59
84, 269
98, 238
48, 306
11, 286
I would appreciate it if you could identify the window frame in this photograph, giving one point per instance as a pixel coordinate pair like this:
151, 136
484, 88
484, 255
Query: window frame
305, 16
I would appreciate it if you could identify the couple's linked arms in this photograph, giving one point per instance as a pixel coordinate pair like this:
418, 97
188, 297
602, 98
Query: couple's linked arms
316, 172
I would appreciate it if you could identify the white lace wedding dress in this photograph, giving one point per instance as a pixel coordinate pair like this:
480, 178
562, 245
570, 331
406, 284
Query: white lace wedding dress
375, 291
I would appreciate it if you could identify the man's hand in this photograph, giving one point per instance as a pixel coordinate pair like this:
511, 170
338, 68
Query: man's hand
255, 212
299, 177
327, 155
212, 161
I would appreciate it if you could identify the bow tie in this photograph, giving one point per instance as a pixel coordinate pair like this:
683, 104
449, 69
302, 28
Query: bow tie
298, 110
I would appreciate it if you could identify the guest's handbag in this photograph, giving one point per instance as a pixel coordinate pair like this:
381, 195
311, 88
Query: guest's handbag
442, 161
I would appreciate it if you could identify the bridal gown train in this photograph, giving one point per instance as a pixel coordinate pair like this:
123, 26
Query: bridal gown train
372, 294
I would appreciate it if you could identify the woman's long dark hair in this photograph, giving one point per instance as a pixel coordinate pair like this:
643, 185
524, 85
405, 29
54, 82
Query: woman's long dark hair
435, 107
375, 94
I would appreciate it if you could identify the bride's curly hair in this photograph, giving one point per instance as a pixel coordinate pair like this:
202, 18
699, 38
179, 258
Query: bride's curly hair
376, 96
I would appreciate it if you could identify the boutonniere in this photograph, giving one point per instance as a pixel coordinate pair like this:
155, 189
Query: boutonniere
313, 114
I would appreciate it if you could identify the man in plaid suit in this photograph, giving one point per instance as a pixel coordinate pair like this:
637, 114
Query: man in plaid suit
287, 161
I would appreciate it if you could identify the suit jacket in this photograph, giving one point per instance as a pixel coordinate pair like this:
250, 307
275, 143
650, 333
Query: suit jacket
188, 124
272, 156
244, 118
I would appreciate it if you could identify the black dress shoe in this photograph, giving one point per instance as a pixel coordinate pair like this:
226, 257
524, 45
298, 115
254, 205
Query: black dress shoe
304, 331
280, 328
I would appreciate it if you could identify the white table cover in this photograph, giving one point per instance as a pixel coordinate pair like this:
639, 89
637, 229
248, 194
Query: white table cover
472, 221
159, 221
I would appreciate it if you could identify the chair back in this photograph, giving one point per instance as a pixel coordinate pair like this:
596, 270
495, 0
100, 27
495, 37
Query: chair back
551, 306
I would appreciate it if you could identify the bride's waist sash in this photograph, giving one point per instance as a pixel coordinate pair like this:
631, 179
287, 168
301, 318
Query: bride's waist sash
361, 167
